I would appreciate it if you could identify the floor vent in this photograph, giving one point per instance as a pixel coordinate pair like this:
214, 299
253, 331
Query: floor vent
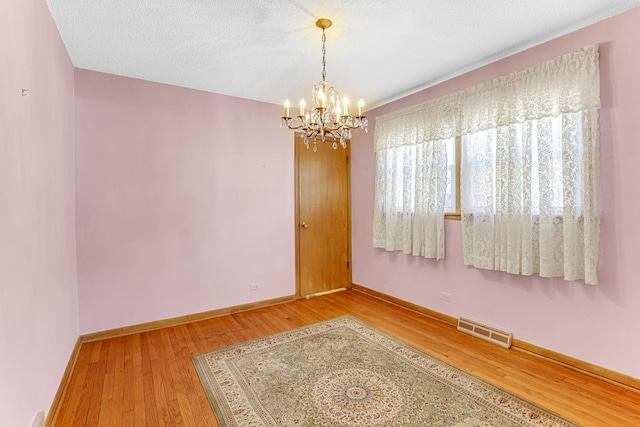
487, 333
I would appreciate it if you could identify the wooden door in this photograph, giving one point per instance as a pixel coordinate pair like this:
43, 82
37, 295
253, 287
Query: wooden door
323, 218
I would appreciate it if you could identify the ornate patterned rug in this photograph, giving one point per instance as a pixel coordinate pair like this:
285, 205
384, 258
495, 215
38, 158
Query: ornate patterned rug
342, 372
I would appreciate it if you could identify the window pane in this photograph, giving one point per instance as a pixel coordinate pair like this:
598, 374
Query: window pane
450, 195
530, 160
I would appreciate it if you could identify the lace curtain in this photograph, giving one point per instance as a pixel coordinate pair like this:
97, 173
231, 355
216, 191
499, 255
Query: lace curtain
411, 177
530, 171
410, 195
411, 180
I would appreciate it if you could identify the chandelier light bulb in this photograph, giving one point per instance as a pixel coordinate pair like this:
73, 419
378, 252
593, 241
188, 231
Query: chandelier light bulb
322, 99
286, 108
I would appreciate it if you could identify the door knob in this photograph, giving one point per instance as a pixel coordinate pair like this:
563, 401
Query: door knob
304, 225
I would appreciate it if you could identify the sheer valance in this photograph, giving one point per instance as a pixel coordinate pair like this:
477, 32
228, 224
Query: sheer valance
568, 84
433, 120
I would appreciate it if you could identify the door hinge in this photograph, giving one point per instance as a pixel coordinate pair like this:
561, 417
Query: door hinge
347, 265
347, 159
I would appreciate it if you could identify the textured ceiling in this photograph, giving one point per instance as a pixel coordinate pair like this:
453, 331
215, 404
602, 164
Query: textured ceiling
378, 50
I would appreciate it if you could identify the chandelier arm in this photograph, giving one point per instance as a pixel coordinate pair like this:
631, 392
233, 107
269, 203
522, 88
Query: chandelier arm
288, 122
328, 128
348, 126
295, 127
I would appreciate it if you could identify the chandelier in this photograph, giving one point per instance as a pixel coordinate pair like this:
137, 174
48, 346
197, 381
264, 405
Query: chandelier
328, 115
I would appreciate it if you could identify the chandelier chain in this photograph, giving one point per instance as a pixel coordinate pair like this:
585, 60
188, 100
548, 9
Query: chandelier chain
324, 60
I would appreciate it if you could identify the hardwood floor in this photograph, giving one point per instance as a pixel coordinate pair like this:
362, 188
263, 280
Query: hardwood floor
148, 379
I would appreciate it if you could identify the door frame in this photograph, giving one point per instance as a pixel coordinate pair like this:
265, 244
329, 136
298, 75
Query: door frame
299, 145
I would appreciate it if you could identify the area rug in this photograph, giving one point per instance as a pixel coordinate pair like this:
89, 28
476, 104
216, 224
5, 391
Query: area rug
342, 372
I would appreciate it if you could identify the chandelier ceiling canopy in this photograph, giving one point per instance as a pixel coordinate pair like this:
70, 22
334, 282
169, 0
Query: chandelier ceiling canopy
328, 115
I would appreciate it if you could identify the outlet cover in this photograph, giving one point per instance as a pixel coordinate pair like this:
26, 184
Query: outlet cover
254, 287
445, 296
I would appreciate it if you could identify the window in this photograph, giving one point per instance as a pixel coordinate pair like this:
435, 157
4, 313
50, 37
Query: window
411, 182
452, 194
524, 150
538, 156
531, 196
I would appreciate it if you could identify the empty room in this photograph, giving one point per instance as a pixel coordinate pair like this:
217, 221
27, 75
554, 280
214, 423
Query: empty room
319, 213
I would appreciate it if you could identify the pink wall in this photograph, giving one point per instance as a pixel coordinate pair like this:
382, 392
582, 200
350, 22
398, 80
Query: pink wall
184, 198
38, 291
594, 324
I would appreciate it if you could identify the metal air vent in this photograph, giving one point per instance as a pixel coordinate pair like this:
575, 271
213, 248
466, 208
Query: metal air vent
487, 333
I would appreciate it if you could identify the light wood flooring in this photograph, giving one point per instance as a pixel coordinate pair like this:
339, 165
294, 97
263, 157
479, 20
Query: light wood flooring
148, 379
